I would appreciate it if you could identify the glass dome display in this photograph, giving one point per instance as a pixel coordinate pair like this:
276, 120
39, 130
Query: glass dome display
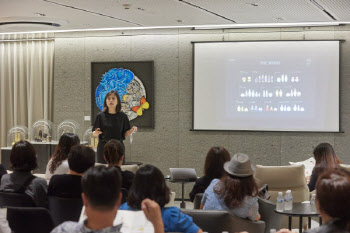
67, 126
42, 131
89, 139
16, 134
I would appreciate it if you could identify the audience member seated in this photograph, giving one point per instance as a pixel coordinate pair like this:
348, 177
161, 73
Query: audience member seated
213, 169
236, 191
332, 202
23, 161
101, 197
149, 182
114, 154
326, 160
80, 159
58, 163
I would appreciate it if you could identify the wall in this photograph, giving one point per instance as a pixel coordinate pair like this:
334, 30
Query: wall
171, 143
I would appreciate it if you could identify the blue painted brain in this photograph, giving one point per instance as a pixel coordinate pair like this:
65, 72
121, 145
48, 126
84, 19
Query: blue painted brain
114, 80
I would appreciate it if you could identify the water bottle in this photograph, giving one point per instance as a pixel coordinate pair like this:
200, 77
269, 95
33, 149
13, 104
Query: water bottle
272, 230
280, 202
313, 204
288, 200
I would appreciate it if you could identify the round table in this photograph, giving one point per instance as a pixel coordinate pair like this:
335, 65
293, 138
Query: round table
299, 210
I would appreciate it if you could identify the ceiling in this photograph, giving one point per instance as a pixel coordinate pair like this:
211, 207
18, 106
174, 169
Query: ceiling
48, 15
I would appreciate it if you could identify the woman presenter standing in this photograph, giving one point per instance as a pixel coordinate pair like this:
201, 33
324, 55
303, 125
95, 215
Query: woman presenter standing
111, 123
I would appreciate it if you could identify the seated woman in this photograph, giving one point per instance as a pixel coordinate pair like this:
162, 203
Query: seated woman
23, 161
114, 156
326, 160
149, 183
80, 159
236, 192
213, 169
332, 202
58, 163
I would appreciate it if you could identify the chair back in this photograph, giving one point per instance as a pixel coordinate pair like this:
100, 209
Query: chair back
345, 166
65, 209
197, 201
269, 216
132, 167
217, 221
282, 178
29, 220
16, 200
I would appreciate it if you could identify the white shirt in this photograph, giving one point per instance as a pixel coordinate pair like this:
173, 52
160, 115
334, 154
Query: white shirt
63, 168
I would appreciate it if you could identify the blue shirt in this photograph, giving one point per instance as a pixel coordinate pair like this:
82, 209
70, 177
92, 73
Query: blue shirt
211, 201
173, 219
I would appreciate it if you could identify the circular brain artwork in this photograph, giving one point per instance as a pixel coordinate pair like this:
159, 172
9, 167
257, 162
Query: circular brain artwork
131, 91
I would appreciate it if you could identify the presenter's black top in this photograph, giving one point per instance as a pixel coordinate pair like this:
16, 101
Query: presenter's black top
112, 126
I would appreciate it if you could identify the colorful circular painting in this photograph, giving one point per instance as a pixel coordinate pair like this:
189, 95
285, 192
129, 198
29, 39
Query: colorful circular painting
131, 91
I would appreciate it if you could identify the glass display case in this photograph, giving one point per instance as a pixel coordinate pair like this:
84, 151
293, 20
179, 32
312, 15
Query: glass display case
89, 139
42, 131
17, 133
68, 126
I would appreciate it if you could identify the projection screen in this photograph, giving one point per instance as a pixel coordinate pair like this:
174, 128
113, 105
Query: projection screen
266, 86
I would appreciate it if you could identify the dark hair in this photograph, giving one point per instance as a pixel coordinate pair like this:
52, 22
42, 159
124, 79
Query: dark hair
325, 157
113, 151
101, 186
65, 143
23, 157
214, 162
234, 189
81, 158
333, 188
119, 105
149, 182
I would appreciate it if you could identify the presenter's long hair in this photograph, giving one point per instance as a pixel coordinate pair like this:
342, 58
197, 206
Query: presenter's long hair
325, 157
214, 162
333, 188
119, 105
149, 182
65, 143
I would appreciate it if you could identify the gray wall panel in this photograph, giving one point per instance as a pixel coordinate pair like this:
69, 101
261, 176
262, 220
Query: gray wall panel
171, 143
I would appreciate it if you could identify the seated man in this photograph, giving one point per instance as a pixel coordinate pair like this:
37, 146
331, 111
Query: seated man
101, 197
80, 159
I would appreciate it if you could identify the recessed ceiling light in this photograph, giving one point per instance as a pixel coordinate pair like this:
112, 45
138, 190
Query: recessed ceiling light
252, 4
126, 6
40, 14
279, 18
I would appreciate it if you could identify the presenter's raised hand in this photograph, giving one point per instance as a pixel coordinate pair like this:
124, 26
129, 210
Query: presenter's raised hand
96, 132
134, 129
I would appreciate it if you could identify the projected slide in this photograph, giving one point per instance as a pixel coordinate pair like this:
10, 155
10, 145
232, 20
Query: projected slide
272, 86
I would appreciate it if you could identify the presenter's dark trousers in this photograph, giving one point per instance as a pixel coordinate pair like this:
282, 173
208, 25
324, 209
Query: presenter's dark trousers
100, 155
